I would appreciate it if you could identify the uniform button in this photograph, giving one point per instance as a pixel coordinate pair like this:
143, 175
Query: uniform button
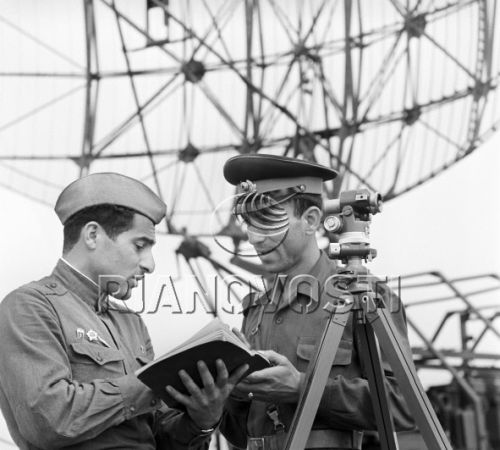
153, 402
98, 357
132, 409
53, 285
279, 319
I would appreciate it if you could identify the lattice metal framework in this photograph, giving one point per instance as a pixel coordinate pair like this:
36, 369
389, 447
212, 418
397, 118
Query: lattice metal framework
463, 341
390, 92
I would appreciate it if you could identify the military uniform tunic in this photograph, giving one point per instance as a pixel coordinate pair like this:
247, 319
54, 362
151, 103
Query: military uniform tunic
291, 323
67, 372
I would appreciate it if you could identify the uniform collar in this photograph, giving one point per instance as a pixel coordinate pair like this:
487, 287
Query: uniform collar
283, 295
317, 276
80, 285
79, 272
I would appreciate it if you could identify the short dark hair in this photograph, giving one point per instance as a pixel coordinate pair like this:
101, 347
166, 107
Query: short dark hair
113, 219
303, 201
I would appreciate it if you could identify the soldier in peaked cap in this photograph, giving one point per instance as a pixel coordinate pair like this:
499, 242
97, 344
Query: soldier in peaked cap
67, 368
280, 205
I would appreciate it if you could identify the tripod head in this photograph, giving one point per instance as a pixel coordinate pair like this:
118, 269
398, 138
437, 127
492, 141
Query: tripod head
349, 216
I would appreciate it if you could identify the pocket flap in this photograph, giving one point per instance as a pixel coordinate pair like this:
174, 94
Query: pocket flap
306, 350
100, 355
143, 359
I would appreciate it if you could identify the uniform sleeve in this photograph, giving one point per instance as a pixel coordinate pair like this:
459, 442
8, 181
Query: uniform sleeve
347, 403
234, 420
176, 431
50, 408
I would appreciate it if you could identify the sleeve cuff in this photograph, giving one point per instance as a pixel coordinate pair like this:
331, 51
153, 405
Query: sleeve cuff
181, 428
137, 397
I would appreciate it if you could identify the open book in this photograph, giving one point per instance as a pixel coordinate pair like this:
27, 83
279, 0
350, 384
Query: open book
214, 341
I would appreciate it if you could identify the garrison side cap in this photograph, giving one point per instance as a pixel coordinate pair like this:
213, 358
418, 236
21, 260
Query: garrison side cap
109, 188
264, 173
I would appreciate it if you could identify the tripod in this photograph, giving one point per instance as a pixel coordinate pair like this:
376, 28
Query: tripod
373, 324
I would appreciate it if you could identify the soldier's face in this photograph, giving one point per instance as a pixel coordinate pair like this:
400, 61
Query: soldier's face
120, 262
281, 252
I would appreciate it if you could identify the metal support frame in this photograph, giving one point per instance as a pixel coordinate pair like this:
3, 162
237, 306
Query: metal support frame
277, 114
92, 90
468, 309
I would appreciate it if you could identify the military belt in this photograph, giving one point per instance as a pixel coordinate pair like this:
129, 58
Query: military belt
332, 439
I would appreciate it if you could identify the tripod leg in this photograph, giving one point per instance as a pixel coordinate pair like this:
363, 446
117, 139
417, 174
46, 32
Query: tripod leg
316, 378
406, 375
370, 357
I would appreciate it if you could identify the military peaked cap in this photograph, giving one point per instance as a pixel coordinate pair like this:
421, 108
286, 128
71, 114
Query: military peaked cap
109, 188
264, 173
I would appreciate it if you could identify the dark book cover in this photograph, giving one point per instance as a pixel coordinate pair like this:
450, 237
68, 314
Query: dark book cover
214, 341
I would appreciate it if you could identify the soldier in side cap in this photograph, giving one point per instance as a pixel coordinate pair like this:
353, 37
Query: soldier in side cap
68, 355
280, 205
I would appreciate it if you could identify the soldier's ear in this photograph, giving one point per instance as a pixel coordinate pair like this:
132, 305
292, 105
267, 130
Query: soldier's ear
312, 219
89, 234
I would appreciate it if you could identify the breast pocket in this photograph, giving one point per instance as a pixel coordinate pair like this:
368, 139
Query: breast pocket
306, 349
142, 359
92, 361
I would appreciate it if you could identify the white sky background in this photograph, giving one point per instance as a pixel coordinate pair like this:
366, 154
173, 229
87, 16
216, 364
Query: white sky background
450, 224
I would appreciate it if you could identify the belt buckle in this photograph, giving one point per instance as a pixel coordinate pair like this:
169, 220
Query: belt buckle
257, 443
